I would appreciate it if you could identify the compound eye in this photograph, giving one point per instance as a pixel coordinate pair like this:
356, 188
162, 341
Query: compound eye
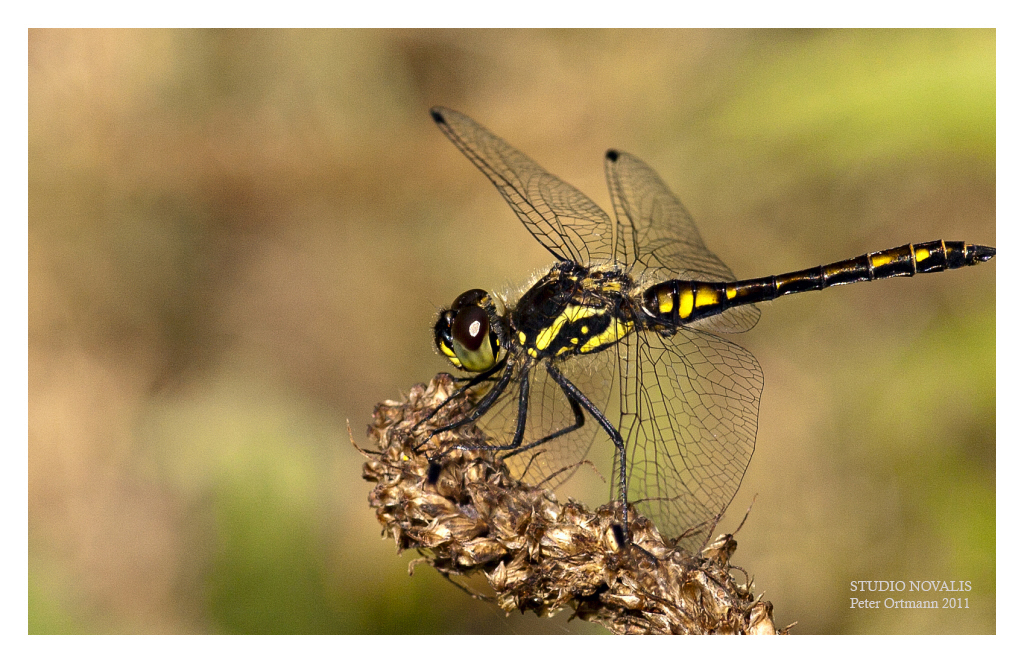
470, 327
474, 346
469, 298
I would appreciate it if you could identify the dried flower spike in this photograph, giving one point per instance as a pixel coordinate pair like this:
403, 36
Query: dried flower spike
465, 515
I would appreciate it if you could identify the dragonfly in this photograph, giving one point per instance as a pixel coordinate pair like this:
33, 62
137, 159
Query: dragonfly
620, 339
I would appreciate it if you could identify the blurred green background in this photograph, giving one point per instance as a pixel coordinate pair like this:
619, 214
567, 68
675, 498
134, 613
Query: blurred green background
238, 242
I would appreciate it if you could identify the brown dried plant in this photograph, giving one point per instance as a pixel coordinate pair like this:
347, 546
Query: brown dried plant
465, 515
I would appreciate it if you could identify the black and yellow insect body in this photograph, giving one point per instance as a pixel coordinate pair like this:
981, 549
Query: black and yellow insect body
573, 311
618, 339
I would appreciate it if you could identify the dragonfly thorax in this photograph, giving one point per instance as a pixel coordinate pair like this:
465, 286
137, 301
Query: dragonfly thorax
573, 310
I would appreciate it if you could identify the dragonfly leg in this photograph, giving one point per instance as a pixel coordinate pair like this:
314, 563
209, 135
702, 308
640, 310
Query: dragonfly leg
575, 395
469, 384
578, 422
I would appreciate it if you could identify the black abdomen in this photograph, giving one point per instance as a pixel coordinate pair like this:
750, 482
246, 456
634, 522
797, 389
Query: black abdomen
680, 302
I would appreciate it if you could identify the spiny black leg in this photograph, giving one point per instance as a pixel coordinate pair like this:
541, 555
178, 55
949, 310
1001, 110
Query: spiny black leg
524, 406
576, 395
481, 408
485, 404
470, 383
577, 412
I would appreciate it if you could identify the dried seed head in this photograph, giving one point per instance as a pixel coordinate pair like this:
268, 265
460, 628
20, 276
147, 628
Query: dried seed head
462, 511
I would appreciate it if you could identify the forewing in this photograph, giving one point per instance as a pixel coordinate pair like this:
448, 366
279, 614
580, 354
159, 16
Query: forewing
654, 229
689, 419
565, 221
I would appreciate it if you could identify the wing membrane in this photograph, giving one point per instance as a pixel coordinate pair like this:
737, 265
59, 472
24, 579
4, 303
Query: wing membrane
565, 221
654, 229
689, 418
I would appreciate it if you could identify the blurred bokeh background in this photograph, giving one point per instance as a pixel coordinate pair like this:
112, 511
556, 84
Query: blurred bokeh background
238, 242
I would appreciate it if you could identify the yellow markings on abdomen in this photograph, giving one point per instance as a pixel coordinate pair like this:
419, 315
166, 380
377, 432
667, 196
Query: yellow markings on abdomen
664, 300
685, 304
707, 296
921, 255
730, 292
881, 259
701, 295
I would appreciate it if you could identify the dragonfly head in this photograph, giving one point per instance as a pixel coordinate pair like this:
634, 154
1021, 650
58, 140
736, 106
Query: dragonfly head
470, 334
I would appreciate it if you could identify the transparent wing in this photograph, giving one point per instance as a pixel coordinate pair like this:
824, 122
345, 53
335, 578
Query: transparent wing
565, 221
654, 229
654, 233
689, 418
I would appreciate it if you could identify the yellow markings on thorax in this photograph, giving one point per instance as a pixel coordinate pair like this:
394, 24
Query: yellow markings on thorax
566, 348
602, 284
613, 332
570, 314
616, 330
